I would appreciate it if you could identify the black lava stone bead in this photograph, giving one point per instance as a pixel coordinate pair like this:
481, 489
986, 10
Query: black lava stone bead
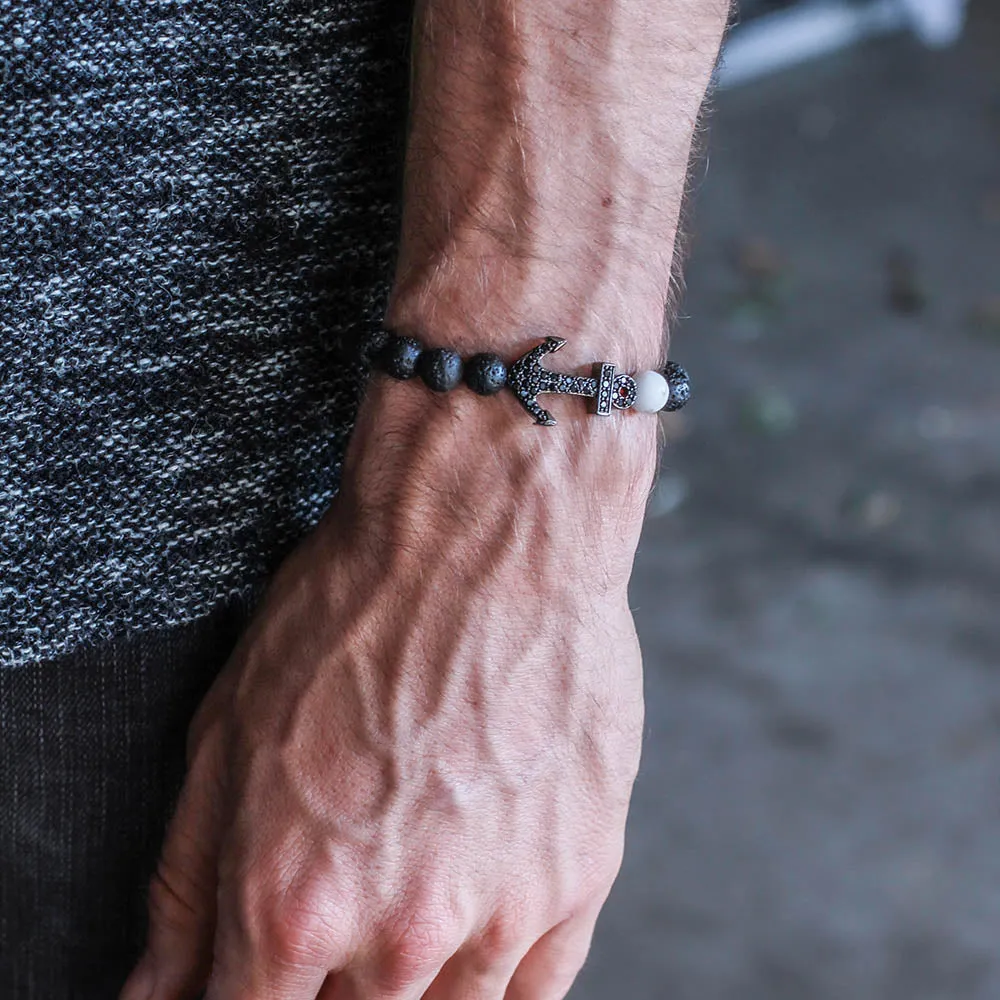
485, 374
399, 356
680, 386
373, 346
440, 369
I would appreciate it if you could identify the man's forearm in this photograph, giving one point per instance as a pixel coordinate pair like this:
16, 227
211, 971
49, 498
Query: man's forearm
546, 168
547, 164
411, 780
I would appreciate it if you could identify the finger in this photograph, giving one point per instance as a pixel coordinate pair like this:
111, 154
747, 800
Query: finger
548, 970
182, 892
272, 983
467, 978
344, 987
484, 966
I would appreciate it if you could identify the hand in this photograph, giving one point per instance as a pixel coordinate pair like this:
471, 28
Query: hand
412, 778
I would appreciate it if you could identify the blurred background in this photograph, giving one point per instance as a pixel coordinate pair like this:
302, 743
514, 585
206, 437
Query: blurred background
818, 586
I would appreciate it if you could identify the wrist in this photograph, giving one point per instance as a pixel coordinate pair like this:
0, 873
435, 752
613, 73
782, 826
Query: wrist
424, 469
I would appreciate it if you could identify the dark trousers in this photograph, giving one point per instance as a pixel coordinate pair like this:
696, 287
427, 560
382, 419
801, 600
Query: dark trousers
91, 760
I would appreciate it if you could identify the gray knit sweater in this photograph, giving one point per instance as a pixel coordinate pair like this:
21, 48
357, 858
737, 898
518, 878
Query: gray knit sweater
197, 219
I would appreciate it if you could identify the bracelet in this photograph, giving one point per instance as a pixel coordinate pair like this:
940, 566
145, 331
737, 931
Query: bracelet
486, 374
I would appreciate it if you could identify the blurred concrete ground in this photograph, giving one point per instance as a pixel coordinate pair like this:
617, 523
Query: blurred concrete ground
818, 587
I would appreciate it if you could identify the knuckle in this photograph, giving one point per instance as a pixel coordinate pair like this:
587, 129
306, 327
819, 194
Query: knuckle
296, 929
596, 873
267, 913
418, 948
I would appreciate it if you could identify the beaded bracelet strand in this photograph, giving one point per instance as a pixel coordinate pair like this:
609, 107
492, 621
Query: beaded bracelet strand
442, 370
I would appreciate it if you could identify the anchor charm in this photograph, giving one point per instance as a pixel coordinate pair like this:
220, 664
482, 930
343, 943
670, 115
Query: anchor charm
527, 379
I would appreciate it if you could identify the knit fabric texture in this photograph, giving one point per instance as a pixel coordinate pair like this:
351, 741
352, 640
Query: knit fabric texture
198, 213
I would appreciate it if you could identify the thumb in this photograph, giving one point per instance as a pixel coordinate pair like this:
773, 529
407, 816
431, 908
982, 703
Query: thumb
182, 893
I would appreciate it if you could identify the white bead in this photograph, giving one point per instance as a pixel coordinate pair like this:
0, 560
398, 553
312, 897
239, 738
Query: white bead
652, 392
